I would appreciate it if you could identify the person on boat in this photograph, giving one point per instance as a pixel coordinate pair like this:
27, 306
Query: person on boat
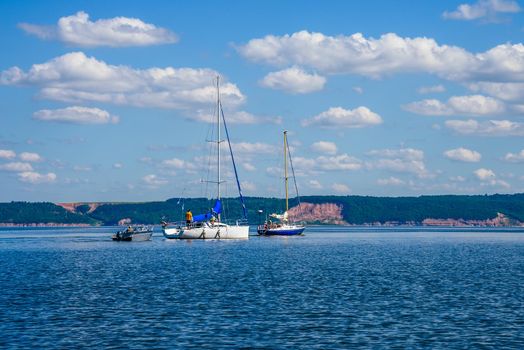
212, 220
189, 217
129, 229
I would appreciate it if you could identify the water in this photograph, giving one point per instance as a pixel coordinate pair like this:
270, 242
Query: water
333, 288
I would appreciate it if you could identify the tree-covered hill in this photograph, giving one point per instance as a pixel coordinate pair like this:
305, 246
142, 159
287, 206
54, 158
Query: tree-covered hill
19, 213
354, 209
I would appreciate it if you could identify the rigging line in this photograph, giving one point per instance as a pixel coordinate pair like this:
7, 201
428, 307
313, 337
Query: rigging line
244, 211
293, 172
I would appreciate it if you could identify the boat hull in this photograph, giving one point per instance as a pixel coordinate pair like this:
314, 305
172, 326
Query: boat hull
136, 237
208, 232
282, 231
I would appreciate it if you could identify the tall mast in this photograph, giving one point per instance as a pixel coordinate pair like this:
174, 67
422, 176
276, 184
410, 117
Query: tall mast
218, 140
285, 167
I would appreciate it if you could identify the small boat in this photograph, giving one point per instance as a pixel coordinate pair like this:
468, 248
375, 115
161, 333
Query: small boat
211, 225
134, 233
282, 227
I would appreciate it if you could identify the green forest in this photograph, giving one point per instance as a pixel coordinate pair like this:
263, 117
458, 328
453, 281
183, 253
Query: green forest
356, 210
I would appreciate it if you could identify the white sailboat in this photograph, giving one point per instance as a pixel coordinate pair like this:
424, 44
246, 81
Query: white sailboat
283, 227
210, 225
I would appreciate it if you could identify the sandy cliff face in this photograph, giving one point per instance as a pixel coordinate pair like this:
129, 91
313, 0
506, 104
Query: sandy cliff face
500, 220
326, 213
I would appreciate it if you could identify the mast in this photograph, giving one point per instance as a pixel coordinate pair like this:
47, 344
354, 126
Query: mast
218, 141
285, 168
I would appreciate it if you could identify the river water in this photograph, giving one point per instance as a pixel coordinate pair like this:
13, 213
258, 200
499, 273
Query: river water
335, 287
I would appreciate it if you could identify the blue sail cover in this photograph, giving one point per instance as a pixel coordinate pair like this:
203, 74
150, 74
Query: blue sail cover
217, 209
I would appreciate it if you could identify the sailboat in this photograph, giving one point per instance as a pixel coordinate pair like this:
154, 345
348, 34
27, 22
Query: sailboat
210, 225
283, 227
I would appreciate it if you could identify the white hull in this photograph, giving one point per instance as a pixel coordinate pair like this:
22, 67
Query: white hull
208, 231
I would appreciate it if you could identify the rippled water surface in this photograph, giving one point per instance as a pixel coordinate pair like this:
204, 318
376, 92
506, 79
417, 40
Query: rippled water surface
332, 288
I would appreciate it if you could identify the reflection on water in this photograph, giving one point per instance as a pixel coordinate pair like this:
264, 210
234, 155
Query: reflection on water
332, 288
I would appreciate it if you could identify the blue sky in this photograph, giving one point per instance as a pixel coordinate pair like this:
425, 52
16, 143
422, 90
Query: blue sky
110, 101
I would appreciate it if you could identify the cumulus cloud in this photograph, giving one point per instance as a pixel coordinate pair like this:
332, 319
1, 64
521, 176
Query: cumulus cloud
79, 30
36, 178
7, 154
487, 128
30, 157
504, 91
482, 9
16, 167
234, 117
463, 155
484, 174
118, 166
404, 160
76, 78
294, 80
326, 147
515, 157
431, 89
154, 181
340, 188
253, 148
489, 178
248, 186
76, 115
315, 184
391, 181
340, 162
474, 105
355, 54
248, 167
338, 117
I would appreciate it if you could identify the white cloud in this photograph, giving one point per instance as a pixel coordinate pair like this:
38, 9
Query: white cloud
76, 115
294, 80
487, 128
458, 105
337, 117
431, 89
76, 78
16, 167
154, 181
248, 186
36, 178
78, 30
340, 188
326, 147
503, 91
315, 184
391, 181
30, 157
253, 148
482, 9
248, 167
118, 166
403, 153
463, 155
358, 90
7, 154
355, 54
404, 160
234, 117
340, 162
484, 174
515, 157
488, 178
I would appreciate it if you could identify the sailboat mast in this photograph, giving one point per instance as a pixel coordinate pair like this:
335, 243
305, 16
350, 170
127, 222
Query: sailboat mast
218, 140
285, 168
